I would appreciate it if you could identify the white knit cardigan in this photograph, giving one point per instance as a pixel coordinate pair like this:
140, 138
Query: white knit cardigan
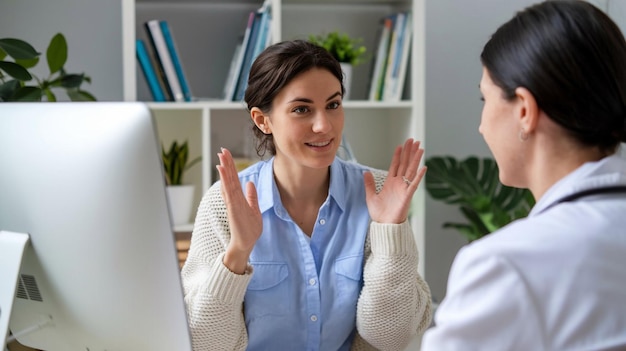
394, 304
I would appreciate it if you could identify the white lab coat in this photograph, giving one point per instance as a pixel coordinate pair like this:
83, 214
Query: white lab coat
555, 280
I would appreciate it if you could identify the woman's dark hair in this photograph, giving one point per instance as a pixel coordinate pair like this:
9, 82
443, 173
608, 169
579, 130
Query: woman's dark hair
274, 68
572, 57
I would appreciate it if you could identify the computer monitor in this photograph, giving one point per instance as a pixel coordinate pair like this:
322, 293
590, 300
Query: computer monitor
84, 182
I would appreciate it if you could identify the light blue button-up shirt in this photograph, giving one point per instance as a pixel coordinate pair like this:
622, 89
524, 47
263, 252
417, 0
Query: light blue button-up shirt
303, 292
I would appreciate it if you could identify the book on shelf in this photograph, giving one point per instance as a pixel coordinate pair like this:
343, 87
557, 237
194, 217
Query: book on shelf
242, 81
264, 29
259, 37
148, 71
232, 71
400, 69
231, 84
380, 62
164, 60
392, 56
394, 49
176, 61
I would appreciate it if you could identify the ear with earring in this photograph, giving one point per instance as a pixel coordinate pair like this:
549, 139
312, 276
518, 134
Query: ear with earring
523, 135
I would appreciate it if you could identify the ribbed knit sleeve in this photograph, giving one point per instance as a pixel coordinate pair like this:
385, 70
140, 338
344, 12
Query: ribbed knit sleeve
213, 294
395, 303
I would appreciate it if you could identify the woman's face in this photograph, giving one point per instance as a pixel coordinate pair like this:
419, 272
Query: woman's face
307, 120
500, 129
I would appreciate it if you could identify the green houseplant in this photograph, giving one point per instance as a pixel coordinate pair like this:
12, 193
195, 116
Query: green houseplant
180, 196
18, 84
176, 162
341, 46
473, 185
348, 51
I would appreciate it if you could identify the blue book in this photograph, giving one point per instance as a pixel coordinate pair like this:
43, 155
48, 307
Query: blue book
242, 82
264, 29
231, 86
171, 47
148, 71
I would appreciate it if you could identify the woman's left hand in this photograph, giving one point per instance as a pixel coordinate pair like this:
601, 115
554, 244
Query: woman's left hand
392, 203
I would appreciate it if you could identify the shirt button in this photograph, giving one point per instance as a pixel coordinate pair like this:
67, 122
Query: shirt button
311, 281
322, 221
313, 318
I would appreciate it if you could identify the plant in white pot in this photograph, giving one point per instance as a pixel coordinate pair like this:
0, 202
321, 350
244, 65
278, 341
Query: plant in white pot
175, 164
348, 51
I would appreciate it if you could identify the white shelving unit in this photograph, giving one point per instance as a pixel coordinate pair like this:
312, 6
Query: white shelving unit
206, 32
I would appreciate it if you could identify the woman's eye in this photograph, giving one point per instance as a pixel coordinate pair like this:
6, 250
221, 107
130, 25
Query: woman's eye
301, 109
482, 99
334, 105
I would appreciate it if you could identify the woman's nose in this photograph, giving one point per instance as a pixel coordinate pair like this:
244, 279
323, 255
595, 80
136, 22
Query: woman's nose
321, 123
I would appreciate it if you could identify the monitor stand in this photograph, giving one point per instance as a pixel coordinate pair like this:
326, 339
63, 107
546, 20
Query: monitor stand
12, 246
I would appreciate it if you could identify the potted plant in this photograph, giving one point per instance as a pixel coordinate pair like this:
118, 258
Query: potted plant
473, 185
348, 51
15, 77
175, 164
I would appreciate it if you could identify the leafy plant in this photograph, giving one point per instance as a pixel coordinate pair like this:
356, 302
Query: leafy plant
175, 162
474, 186
341, 46
14, 75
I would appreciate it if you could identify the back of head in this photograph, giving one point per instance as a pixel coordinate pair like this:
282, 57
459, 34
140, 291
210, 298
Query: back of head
572, 57
274, 68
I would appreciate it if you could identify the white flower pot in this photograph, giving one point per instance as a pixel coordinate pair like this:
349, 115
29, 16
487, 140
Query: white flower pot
347, 78
180, 200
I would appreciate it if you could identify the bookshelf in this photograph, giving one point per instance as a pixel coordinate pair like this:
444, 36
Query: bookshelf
206, 34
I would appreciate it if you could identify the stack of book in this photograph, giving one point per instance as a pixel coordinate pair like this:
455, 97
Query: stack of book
257, 36
161, 65
392, 56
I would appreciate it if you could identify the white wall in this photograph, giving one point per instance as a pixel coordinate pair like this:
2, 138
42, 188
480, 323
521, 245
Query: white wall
456, 31
92, 28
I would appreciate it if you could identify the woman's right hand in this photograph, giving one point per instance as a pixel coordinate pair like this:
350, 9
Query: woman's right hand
244, 216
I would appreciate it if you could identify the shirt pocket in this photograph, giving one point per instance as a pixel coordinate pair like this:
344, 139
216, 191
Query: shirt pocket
348, 278
268, 290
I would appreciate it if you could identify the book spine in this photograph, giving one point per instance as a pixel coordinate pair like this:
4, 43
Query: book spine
404, 59
264, 28
148, 71
383, 72
178, 67
242, 83
393, 52
239, 56
381, 55
164, 59
232, 71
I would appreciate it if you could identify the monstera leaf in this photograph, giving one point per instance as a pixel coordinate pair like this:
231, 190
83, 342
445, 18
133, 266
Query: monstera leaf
474, 186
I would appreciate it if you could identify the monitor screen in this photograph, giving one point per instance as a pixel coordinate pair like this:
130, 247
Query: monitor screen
85, 182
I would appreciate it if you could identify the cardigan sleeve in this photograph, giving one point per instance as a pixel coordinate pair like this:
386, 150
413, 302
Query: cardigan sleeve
213, 294
395, 302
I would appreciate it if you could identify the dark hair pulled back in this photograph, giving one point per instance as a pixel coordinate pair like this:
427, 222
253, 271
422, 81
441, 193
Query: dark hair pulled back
572, 57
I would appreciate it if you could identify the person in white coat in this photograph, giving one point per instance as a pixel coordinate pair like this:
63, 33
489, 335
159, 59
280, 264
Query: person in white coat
554, 114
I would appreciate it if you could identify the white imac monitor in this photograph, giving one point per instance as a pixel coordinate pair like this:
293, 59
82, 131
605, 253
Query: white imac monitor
82, 195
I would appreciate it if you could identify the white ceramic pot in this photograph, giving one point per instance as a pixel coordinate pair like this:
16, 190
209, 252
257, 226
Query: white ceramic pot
347, 78
180, 198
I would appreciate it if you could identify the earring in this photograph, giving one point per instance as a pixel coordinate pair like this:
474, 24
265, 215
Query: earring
523, 136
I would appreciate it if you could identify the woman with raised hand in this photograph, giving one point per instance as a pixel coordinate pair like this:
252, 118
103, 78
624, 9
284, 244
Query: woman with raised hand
554, 114
304, 251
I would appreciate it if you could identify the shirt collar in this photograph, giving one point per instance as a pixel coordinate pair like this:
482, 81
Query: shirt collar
268, 191
608, 171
